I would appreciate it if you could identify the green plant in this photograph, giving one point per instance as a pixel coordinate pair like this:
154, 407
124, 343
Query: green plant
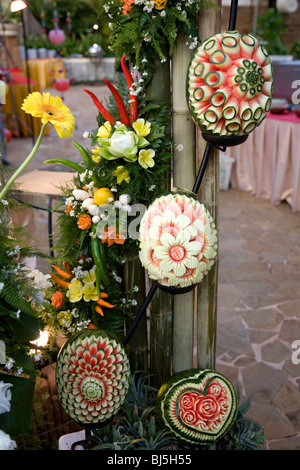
295, 50
271, 28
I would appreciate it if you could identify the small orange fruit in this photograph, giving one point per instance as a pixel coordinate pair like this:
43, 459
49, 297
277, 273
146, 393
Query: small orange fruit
103, 196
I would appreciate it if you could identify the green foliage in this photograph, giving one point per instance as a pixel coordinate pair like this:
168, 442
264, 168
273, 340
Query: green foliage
20, 320
271, 27
146, 33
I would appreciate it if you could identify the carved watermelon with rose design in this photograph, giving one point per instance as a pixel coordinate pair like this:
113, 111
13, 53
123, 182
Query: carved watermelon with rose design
197, 406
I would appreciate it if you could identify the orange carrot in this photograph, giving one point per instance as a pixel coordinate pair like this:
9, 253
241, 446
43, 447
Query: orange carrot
62, 272
104, 304
99, 310
59, 281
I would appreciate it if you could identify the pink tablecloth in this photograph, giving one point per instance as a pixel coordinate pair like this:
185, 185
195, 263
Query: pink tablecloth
268, 163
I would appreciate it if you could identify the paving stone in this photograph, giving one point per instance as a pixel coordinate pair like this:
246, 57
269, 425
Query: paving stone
265, 319
292, 443
262, 381
274, 423
287, 399
274, 352
259, 336
290, 308
232, 335
290, 330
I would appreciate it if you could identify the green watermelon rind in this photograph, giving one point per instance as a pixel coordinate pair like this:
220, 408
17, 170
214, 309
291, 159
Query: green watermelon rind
187, 378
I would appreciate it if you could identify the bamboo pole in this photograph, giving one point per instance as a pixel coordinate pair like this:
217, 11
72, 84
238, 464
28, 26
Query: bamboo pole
184, 174
137, 348
209, 23
161, 306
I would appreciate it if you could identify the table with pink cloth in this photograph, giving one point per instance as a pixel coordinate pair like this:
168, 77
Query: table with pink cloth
268, 163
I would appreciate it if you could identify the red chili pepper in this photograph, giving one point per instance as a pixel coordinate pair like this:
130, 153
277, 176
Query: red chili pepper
133, 98
120, 104
101, 108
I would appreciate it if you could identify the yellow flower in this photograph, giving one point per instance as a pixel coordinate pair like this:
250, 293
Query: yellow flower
89, 292
160, 4
141, 127
75, 291
96, 154
89, 276
146, 158
122, 174
50, 109
105, 130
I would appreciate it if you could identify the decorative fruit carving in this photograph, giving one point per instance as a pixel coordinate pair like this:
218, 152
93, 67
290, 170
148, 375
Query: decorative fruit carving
229, 84
178, 240
92, 377
197, 406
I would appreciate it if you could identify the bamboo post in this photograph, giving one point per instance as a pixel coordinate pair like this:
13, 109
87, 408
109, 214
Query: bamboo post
137, 348
161, 306
209, 23
184, 173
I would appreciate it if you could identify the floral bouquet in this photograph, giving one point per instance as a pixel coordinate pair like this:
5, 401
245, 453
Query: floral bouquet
121, 172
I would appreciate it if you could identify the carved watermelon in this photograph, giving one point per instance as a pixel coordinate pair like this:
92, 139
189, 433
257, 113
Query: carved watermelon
92, 377
229, 84
197, 406
178, 240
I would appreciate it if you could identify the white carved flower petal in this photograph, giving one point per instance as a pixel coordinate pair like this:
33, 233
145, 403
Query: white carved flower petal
161, 251
167, 239
183, 238
193, 247
179, 269
166, 266
183, 221
191, 262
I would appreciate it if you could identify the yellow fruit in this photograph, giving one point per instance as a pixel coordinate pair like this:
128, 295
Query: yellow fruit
103, 196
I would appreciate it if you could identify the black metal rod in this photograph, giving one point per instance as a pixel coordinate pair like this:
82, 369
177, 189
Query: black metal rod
141, 312
233, 14
202, 168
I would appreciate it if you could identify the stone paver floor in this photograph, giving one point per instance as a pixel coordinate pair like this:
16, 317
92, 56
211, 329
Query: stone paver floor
258, 294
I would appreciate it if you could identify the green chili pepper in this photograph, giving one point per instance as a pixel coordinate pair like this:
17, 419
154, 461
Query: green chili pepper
98, 256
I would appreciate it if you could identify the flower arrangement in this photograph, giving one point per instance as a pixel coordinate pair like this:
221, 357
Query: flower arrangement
146, 30
178, 240
121, 172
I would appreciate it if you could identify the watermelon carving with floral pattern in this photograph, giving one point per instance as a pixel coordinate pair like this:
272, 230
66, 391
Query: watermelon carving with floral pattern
197, 406
92, 377
178, 240
230, 84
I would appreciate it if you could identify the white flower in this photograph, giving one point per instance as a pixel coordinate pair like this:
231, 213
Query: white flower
9, 365
6, 443
1, 286
5, 397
